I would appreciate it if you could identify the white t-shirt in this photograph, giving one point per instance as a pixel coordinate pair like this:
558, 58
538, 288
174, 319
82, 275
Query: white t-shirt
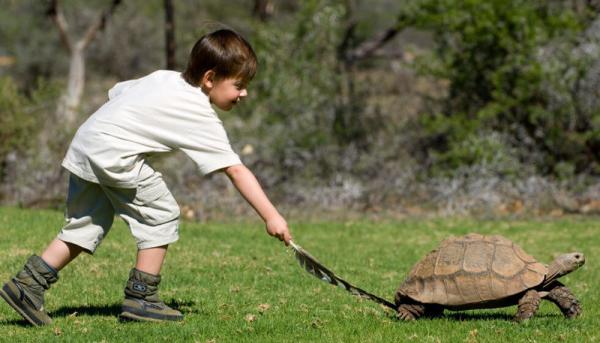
157, 113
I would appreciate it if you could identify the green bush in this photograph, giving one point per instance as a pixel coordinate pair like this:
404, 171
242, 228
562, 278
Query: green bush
508, 64
21, 116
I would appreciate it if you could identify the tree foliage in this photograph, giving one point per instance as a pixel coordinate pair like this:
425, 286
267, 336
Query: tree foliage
295, 104
511, 90
21, 116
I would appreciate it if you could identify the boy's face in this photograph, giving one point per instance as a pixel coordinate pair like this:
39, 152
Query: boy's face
224, 93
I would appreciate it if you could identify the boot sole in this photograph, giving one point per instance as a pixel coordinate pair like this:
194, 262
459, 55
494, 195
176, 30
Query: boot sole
128, 314
13, 300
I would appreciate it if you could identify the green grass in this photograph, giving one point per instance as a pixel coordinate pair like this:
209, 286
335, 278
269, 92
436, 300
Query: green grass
234, 283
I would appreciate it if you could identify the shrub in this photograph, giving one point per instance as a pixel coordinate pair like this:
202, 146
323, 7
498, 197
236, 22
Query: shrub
21, 117
495, 57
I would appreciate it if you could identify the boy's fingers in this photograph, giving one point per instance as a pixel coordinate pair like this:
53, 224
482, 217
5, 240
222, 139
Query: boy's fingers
287, 238
284, 237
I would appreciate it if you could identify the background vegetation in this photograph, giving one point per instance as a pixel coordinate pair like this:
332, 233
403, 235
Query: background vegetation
486, 107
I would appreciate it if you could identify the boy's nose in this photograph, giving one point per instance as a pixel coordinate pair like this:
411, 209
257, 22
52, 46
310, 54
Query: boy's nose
243, 93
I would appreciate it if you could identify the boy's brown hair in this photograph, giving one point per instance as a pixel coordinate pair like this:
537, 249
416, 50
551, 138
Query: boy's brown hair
226, 53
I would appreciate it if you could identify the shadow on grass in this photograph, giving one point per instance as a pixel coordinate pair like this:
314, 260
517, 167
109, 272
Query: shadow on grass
114, 310
89, 310
465, 316
16, 322
477, 316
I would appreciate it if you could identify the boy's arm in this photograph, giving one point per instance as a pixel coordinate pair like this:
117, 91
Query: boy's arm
246, 183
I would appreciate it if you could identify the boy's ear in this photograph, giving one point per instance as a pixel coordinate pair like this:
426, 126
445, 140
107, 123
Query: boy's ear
208, 79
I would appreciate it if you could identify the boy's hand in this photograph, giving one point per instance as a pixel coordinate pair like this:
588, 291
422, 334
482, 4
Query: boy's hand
278, 228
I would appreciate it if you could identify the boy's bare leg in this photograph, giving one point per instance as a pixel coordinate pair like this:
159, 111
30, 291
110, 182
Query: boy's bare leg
59, 253
151, 260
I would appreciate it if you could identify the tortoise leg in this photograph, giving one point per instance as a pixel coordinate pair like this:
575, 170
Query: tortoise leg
410, 311
528, 305
564, 299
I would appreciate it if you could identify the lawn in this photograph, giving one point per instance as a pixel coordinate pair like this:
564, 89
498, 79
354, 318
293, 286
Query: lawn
235, 284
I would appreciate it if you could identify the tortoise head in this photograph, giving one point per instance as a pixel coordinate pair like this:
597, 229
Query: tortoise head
564, 264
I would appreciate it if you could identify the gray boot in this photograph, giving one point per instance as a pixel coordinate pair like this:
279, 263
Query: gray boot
25, 292
142, 301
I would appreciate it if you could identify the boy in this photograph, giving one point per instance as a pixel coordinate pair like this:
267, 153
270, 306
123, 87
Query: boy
160, 112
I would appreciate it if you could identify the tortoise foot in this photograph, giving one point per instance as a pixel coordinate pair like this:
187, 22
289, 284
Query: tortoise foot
409, 312
565, 300
573, 311
528, 305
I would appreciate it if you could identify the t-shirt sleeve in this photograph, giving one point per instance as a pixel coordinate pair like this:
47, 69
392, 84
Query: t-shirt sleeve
211, 150
118, 88
209, 161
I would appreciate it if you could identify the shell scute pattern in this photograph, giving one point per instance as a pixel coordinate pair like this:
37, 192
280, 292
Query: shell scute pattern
471, 269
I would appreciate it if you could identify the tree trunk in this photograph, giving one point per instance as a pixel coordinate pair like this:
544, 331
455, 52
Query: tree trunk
263, 9
170, 34
67, 108
69, 102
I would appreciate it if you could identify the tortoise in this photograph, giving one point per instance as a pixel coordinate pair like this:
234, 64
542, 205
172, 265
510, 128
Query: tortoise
476, 271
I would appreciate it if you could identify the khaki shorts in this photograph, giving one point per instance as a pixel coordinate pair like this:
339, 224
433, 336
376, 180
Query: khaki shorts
150, 211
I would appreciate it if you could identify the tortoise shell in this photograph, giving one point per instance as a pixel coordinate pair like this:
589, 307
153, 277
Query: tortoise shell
472, 269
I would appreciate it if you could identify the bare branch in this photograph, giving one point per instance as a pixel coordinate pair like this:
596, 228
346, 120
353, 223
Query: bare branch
369, 47
350, 53
58, 18
98, 25
342, 51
